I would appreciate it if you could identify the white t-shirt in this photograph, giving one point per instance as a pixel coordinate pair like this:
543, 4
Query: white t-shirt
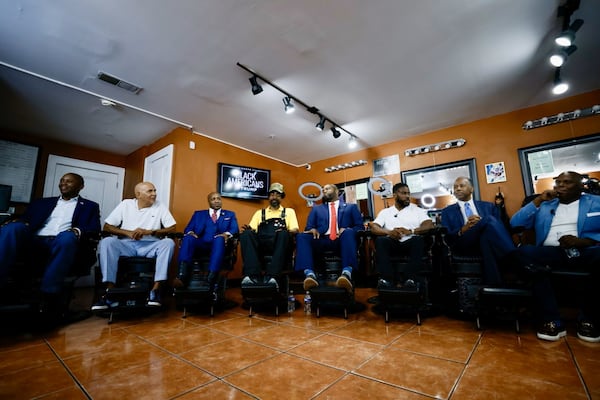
563, 223
410, 217
128, 216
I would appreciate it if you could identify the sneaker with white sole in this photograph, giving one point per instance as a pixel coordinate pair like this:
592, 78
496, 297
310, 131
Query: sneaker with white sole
552, 331
154, 298
104, 304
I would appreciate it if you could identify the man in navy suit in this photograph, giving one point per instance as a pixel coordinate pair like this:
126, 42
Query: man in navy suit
475, 227
51, 229
208, 231
331, 226
567, 233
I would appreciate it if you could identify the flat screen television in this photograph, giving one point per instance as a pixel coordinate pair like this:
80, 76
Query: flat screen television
5, 193
243, 182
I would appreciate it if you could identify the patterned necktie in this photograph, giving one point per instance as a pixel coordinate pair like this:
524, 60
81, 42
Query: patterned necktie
214, 216
468, 210
332, 223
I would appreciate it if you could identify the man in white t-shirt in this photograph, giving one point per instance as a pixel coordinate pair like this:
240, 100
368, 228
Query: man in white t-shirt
138, 225
398, 230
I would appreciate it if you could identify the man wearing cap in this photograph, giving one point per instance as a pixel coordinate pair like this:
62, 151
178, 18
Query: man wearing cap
268, 233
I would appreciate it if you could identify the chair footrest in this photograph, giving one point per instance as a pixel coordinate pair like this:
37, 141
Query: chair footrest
259, 291
329, 294
405, 296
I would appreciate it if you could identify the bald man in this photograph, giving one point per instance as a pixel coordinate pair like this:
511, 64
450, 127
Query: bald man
138, 225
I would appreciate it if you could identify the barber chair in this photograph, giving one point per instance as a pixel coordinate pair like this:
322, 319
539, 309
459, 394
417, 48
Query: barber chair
261, 294
22, 299
413, 299
477, 300
327, 296
198, 294
135, 278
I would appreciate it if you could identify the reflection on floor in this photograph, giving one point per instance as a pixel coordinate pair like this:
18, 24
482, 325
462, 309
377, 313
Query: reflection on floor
297, 356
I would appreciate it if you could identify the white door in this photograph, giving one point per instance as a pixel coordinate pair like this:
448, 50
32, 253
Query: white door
103, 184
157, 169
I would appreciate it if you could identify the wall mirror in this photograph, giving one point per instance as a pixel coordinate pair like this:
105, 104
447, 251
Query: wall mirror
540, 164
432, 187
357, 192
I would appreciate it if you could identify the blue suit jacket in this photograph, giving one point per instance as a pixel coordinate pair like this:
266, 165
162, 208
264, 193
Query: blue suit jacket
453, 220
201, 223
86, 216
588, 221
348, 217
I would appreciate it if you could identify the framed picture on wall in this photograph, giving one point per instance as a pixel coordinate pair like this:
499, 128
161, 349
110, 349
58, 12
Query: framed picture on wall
18, 163
243, 182
495, 172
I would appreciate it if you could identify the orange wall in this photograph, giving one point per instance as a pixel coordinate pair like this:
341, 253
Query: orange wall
488, 140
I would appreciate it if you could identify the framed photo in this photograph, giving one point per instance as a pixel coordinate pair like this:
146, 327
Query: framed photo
495, 172
18, 163
386, 166
243, 182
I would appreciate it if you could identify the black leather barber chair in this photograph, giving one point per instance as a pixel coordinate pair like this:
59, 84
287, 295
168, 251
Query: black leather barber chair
398, 297
22, 300
198, 294
327, 296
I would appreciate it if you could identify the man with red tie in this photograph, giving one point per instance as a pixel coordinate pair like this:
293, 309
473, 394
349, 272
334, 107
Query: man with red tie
208, 230
331, 226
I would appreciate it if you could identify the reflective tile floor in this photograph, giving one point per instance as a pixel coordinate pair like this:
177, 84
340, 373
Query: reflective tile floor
297, 356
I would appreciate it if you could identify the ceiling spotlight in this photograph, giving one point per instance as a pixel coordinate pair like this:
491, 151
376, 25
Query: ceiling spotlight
321, 124
256, 88
560, 87
289, 106
336, 132
559, 57
566, 38
352, 143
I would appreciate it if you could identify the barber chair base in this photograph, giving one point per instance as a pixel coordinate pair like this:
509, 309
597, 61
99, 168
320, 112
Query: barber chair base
261, 295
504, 302
130, 301
331, 298
402, 298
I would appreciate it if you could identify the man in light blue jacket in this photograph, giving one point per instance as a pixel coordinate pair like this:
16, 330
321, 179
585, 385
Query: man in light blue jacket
567, 231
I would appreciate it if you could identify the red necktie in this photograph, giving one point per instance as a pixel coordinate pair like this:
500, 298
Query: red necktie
214, 216
332, 223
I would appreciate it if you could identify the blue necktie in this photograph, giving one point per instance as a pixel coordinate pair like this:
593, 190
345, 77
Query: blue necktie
468, 211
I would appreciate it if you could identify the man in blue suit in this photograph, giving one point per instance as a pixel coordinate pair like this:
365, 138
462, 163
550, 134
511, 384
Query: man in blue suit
51, 230
331, 226
474, 227
208, 231
567, 233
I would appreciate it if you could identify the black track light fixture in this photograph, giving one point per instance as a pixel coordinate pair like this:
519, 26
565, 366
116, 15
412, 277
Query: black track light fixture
288, 105
336, 132
256, 88
560, 55
290, 101
321, 124
560, 86
567, 36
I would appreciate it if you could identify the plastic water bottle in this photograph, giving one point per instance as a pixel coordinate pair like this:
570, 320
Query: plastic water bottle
291, 302
307, 303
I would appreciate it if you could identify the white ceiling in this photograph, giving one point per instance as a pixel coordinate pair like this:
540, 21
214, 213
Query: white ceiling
382, 69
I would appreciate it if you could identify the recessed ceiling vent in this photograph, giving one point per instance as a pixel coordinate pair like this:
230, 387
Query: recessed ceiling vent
119, 82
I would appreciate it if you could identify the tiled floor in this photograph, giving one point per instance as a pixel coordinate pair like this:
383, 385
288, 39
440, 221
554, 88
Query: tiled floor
232, 356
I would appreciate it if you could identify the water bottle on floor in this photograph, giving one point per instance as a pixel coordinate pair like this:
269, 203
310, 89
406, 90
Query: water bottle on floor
307, 303
291, 302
